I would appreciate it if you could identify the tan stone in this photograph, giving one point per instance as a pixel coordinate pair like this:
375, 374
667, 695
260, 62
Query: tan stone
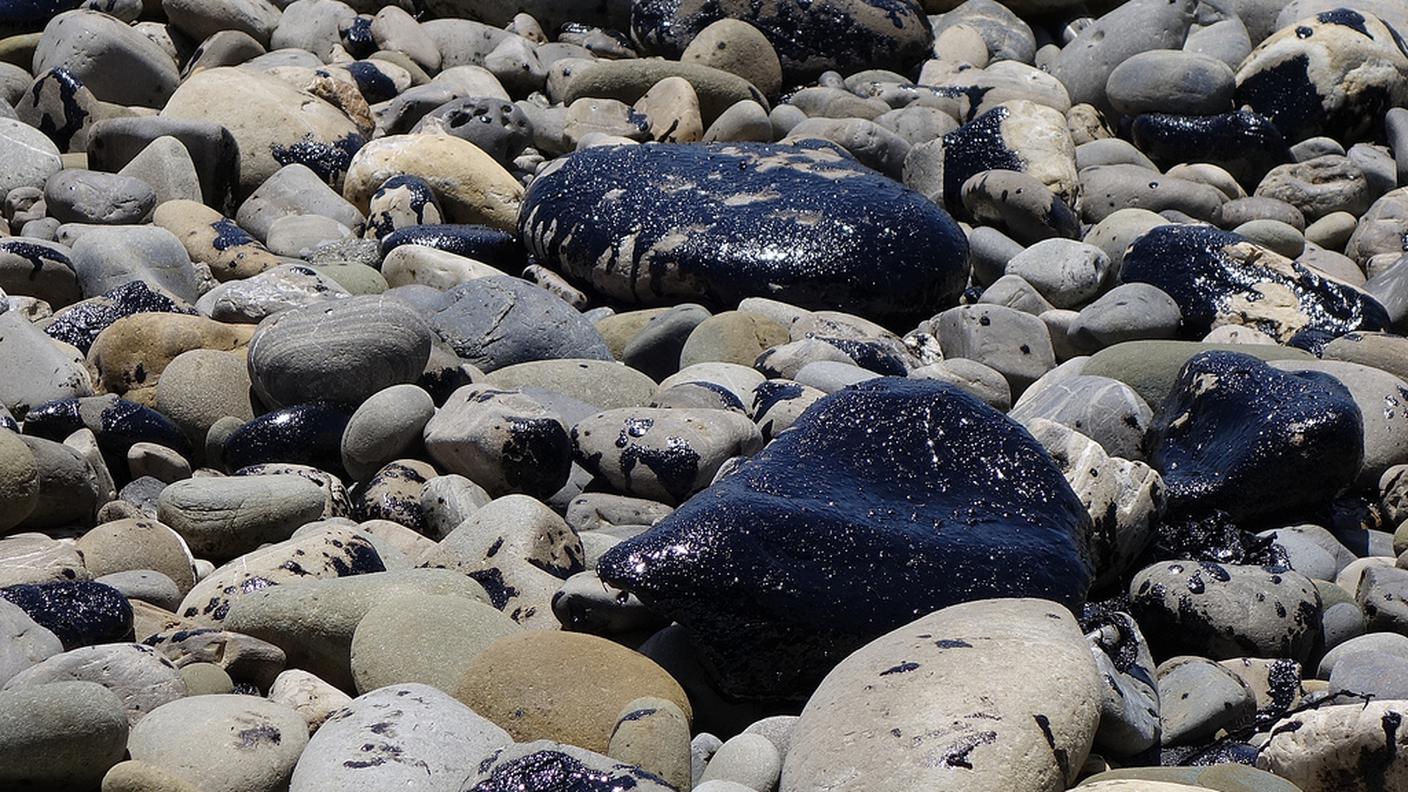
471, 186
124, 545
567, 687
133, 351
200, 229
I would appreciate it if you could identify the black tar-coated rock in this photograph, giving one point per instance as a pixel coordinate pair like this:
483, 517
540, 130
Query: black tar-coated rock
886, 501
550, 770
810, 37
481, 243
117, 424
1239, 437
1218, 277
79, 613
81, 323
805, 224
19, 15
303, 434
1244, 143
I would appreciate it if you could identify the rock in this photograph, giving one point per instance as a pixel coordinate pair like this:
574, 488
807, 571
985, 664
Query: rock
750, 760
141, 677
1223, 279
504, 441
241, 657
1223, 610
294, 189
318, 555
843, 35
401, 202
1319, 187
301, 434
221, 518
733, 530
26, 643
19, 481
146, 585
1277, 80
515, 682
423, 639
166, 165
1018, 135
310, 696
314, 622
1198, 698
213, 239
222, 743
499, 321
35, 558
653, 734
23, 347
394, 735
344, 350
1107, 189
201, 386
273, 123
109, 258
112, 59
1085, 65
81, 196
1106, 410
550, 765
594, 382
1350, 747
1172, 81
471, 186
920, 680
1019, 204
279, 288
35, 268
1014, 343
1128, 312
1300, 425
1382, 398
386, 426
737, 47
79, 613
1065, 272
806, 194
60, 736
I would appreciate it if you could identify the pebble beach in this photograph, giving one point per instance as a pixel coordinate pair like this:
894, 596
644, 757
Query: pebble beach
703, 396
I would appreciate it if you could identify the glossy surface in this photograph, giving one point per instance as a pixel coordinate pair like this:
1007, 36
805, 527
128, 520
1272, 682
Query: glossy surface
305, 434
80, 324
809, 37
887, 501
555, 771
805, 224
975, 147
1239, 437
1245, 143
1218, 277
117, 423
481, 243
80, 613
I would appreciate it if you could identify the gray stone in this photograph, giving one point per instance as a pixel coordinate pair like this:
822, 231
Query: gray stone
982, 381
385, 427
1019, 204
1170, 81
1381, 675
222, 743
1006, 35
499, 321
1319, 186
221, 518
27, 157
505, 441
139, 675
60, 736
25, 642
1198, 698
293, 190
344, 350
424, 639
1066, 272
108, 257
253, 299
1378, 643
114, 60
1382, 399
1109, 188
166, 166
84, 196
297, 236
1128, 312
1086, 63
312, 25
1015, 344
58, 369
147, 585
449, 500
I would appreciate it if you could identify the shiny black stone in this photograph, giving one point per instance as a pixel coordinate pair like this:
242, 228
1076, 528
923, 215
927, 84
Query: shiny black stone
1244, 143
805, 224
481, 243
304, 434
1239, 438
1192, 265
80, 613
117, 424
886, 501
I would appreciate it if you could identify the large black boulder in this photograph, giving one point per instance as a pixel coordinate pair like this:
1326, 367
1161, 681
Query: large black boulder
803, 223
886, 501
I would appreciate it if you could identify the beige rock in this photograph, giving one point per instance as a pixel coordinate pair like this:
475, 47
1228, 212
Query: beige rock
214, 240
471, 186
129, 544
19, 480
521, 683
737, 47
35, 558
1345, 748
672, 108
308, 695
132, 352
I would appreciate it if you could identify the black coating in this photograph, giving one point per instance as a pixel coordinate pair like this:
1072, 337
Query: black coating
62, 129
809, 36
1239, 437
328, 159
1244, 143
357, 38
303, 434
555, 771
804, 224
420, 195
371, 81
975, 147
888, 500
16, 15
117, 423
79, 613
1192, 265
490, 245
81, 323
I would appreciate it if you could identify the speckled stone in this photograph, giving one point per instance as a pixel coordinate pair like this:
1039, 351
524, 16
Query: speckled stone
138, 674
222, 743
994, 694
830, 470
1345, 748
503, 440
828, 208
319, 555
398, 735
